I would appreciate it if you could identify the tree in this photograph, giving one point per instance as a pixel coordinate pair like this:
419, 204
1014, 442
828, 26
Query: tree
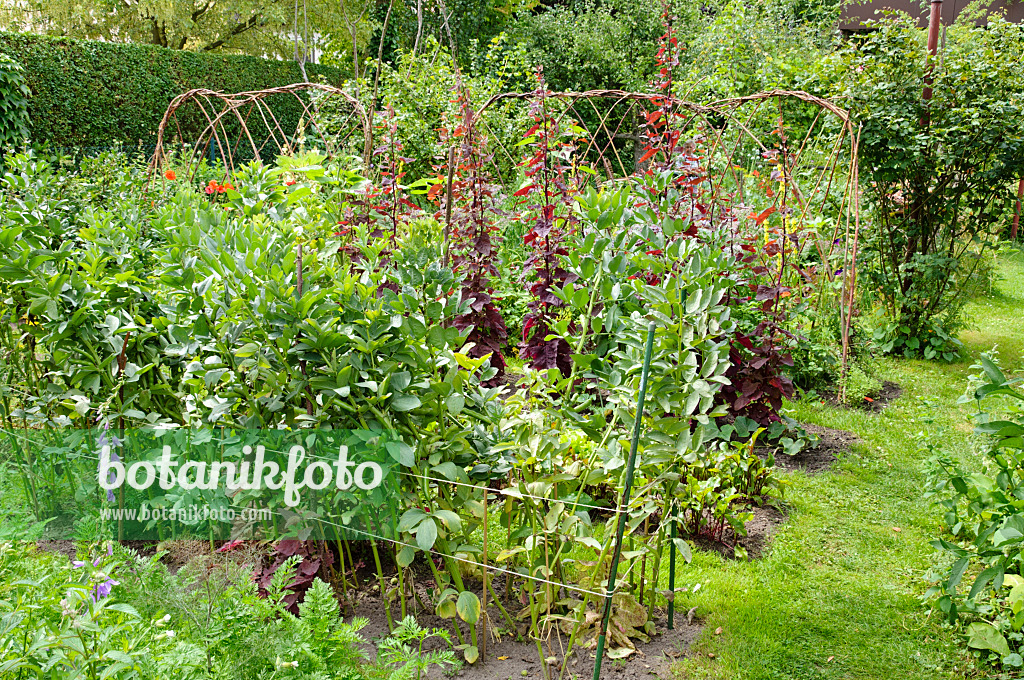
257, 27
593, 44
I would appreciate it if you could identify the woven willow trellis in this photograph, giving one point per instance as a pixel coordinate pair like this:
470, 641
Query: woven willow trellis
813, 160
243, 126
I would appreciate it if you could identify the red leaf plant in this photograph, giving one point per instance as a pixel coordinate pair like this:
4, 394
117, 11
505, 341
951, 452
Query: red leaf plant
552, 181
474, 252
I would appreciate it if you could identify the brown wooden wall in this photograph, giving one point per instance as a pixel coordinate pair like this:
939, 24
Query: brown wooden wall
859, 11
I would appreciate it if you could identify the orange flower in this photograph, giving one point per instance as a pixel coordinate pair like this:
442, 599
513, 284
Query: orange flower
170, 175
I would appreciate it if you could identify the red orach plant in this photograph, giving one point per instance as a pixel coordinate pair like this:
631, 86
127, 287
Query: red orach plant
473, 236
551, 183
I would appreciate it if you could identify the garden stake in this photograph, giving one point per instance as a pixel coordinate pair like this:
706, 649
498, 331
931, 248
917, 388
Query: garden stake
448, 209
483, 594
610, 590
672, 576
643, 561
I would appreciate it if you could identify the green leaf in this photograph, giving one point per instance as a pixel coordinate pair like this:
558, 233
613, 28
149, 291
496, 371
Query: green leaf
985, 636
455, 403
405, 402
411, 518
471, 654
124, 609
435, 336
983, 580
468, 607
684, 549
959, 567
426, 535
405, 556
402, 453
247, 350
450, 519
115, 655
448, 470
992, 370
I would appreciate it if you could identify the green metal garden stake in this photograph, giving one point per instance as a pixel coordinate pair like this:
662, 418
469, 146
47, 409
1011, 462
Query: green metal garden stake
672, 576
630, 464
672, 540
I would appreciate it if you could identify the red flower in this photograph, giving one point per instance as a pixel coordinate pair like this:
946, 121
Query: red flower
170, 175
224, 187
212, 187
289, 183
654, 252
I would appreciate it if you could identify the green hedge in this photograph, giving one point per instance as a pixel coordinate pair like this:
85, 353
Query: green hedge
87, 93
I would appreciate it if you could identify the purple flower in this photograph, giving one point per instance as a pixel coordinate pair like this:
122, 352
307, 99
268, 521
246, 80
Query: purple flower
78, 564
101, 590
111, 477
102, 440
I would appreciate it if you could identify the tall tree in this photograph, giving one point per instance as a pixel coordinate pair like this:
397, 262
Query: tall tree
258, 27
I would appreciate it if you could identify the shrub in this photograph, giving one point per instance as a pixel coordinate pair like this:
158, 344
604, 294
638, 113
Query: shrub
87, 93
940, 173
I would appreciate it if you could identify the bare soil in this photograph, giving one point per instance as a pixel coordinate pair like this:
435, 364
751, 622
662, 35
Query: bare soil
890, 392
510, 655
766, 521
62, 547
812, 460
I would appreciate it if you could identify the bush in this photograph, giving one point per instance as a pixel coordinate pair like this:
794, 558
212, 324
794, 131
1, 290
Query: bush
88, 93
940, 173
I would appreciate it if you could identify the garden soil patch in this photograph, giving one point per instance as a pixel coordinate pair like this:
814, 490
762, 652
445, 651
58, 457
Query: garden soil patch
765, 523
890, 392
516, 659
760, 529
61, 547
832, 443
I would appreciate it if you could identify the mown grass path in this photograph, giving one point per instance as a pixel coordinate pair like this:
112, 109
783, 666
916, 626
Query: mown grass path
836, 595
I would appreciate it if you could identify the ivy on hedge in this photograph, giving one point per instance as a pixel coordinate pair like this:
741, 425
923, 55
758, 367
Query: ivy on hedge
88, 93
13, 103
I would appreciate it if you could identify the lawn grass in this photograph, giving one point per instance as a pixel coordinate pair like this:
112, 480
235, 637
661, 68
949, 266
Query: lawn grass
836, 595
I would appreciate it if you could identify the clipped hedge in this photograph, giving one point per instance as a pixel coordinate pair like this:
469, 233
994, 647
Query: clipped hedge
93, 94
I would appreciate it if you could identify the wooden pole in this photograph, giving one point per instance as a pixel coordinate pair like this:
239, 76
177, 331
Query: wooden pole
934, 23
1016, 212
448, 208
